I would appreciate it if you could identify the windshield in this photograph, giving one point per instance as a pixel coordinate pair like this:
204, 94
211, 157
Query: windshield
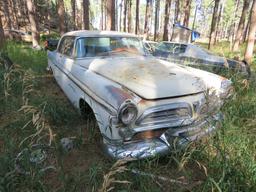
109, 46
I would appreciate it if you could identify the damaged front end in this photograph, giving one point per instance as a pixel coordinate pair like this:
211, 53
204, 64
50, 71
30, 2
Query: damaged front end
163, 128
170, 140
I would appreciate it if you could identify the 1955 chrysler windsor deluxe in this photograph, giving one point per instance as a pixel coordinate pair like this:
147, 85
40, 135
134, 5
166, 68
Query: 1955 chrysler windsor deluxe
144, 106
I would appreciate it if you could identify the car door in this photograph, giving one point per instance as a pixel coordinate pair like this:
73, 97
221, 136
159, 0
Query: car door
65, 64
58, 64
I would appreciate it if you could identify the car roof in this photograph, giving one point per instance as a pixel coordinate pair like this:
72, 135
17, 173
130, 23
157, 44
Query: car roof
87, 33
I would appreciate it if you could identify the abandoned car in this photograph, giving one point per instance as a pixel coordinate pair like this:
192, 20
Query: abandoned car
144, 106
196, 56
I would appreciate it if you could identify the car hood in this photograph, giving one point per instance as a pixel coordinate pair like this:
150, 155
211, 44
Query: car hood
148, 77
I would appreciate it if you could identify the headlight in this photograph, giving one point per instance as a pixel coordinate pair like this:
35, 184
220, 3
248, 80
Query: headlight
127, 112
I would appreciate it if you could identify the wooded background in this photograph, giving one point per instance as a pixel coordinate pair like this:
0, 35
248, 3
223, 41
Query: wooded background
216, 20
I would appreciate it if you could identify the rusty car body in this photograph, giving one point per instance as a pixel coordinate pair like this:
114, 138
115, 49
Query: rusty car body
144, 106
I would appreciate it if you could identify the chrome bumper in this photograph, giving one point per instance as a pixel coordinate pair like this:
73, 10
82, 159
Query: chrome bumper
170, 140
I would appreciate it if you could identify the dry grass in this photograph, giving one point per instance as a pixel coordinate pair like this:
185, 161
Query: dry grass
110, 179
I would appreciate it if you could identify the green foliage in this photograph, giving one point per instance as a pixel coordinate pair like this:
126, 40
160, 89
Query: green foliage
53, 35
27, 58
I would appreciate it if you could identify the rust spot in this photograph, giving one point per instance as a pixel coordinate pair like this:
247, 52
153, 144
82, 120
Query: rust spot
148, 134
119, 94
143, 102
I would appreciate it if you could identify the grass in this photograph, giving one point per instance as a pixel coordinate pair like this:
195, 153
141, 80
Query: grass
34, 110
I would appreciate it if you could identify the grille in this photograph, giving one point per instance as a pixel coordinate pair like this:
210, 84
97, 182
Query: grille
165, 114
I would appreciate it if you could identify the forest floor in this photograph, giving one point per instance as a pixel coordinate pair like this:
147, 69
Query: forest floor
34, 110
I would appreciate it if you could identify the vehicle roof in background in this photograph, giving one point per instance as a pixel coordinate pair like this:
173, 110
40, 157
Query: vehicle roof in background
87, 33
150, 42
173, 42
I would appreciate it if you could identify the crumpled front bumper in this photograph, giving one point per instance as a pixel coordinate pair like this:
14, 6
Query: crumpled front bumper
172, 139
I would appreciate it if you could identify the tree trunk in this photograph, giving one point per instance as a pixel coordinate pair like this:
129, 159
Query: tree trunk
241, 24
166, 19
187, 9
14, 14
246, 29
120, 15
116, 15
217, 34
61, 13
147, 18
157, 9
137, 23
177, 11
232, 30
109, 13
48, 19
33, 23
214, 22
7, 16
125, 15
2, 38
129, 16
102, 14
111, 16
86, 20
73, 6
251, 37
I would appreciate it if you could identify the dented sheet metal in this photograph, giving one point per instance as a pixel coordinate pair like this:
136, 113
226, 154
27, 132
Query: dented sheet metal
144, 106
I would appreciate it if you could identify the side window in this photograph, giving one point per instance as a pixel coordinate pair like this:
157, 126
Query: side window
66, 46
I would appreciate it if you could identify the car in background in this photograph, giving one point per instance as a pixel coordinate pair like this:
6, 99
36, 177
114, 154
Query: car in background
143, 106
196, 56
150, 45
18, 35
